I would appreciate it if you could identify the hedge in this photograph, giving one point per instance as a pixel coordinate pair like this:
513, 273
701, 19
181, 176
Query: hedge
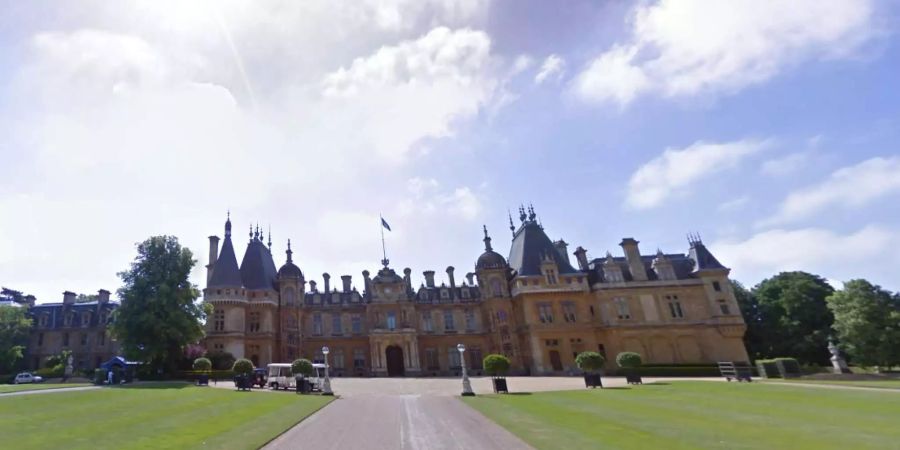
192, 375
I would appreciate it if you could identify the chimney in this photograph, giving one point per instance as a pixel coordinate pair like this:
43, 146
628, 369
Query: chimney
345, 280
633, 257
312, 285
407, 278
327, 280
213, 256
450, 270
102, 296
470, 278
366, 281
581, 256
563, 249
429, 278
68, 298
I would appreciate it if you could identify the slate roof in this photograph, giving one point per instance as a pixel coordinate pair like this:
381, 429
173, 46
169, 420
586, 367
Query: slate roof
257, 268
530, 245
682, 264
225, 271
703, 259
56, 313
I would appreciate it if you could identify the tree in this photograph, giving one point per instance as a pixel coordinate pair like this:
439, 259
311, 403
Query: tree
202, 364
86, 298
221, 360
794, 319
302, 367
495, 365
14, 328
867, 322
242, 366
159, 314
753, 338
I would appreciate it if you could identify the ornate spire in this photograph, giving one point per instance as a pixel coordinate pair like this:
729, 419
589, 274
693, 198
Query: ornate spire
487, 240
290, 253
512, 227
251, 231
228, 224
270, 237
531, 214
522, 215
256, 233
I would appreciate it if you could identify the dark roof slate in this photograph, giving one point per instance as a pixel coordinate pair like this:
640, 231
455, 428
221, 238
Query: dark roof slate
529, 246
703, 259
257, 268
225, 271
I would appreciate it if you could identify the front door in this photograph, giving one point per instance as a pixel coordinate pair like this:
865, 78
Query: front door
555, 361
394, 357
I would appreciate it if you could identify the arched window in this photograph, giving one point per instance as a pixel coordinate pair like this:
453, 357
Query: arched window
289, 297
496, 287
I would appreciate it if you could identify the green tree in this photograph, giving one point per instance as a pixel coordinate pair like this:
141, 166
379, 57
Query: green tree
753, 338
159, 313
14, 328
867, 322
794, 319
86, 298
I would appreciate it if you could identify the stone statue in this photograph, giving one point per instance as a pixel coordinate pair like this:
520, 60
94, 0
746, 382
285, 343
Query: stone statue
69, 368
837, 361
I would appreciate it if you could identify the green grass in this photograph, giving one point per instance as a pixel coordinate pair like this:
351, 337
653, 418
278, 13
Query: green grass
151, 417
685, 415
4, 388
885, 384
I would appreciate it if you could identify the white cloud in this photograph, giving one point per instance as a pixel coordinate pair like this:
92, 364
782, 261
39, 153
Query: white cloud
867, 253
521, 64
681, 48
676, 170
785, 165
847, 188
734, 204
554, 66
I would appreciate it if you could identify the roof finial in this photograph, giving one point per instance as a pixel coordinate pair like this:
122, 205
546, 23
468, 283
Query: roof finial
487, 240
289, 252
512, 227
522, 215
251, 231
531, 214
228, 225
270, 237
256, 235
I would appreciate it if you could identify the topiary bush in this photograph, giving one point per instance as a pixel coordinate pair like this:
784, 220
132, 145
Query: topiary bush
242, 366
589, 361
628, 360
221, 360
302, 367
495, 365
202, 364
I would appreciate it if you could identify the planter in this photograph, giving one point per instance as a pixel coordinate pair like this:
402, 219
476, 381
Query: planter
499, 385
592, 380
633, 377
203, 380
242, 382
303, 386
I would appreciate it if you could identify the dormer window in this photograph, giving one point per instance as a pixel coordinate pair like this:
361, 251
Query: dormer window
465, 293
43, 320
551, 276
68, 320
445, 294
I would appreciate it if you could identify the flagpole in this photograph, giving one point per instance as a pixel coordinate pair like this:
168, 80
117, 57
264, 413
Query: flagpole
383, 248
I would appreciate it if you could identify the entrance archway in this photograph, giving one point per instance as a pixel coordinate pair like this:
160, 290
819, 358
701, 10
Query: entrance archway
394, 357
556, 361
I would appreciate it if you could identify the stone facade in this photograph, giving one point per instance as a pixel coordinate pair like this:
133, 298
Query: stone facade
79, 327
535, 307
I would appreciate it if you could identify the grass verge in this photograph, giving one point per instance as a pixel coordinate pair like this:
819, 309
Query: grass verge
4, 388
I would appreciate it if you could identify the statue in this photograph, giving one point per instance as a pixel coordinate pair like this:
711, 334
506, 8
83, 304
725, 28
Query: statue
837, 361
69, 368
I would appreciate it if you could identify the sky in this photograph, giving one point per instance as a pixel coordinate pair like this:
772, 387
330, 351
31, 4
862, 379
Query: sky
769, 128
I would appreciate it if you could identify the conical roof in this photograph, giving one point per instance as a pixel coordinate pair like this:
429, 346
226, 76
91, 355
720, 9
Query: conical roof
225, 270
529, 248
258, 268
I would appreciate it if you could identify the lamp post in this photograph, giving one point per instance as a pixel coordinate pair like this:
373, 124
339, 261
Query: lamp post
326, 384
467, 386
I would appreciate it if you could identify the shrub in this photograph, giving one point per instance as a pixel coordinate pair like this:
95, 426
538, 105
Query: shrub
99, 376
628, 360
495, 365
589, 361
302, 367
51, 372
242, 366
202, 364
221, 360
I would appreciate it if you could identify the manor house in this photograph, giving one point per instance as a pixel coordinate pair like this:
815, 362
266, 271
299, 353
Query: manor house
535, 306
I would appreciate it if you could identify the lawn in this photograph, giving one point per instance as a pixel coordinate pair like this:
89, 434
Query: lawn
699, 415
4, 388
884, 384
152, 417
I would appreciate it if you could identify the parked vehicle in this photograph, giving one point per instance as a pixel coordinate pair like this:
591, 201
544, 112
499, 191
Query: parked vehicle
26, 377
316, 380
259, 377
281, 376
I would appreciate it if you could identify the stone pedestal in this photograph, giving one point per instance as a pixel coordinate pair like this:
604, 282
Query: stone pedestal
839, 365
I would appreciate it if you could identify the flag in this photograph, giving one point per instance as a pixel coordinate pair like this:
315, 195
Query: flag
385, 224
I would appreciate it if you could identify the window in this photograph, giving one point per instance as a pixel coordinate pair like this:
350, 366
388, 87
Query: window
723, 306
68, 320
551, 342
85, 319
501, 316
431, 359
475, 357
470, 320
101, 338
614, 275
427, 322
675, 307
569, 312
66, 339
359, 358
453, 358
43, 321
545, 312
289, 297
445, 294
84, 339
465, 292
448, 321
254, 321
40, 339
336, 325
292, 322
356, 324
391, 320
622, 309
496, 287
338, 358
601, 349
551, 276
219, 320
716, 286
317, 324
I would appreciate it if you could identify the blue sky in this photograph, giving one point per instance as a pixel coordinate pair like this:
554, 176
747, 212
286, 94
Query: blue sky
770, 128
